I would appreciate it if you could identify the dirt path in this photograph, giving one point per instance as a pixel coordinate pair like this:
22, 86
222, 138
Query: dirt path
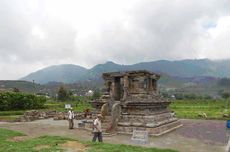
194, 136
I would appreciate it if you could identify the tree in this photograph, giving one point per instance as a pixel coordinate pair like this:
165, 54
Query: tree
62, 94
225, 95
16, 90
179, 96
224, 82
96, 94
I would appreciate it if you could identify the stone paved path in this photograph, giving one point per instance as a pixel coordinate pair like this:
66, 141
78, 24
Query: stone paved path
211, 131
194, 136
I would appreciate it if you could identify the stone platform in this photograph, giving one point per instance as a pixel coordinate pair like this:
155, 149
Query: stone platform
132, 100
153, 131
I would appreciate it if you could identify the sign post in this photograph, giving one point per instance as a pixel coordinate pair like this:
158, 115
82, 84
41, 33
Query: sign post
67, 106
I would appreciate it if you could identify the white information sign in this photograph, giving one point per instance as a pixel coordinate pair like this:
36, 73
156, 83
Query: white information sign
67, 106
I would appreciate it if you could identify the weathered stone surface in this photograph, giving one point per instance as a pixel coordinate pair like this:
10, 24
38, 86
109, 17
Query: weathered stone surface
140, 105
61, 116
116, 114
137, 124
140, 137
124, 123
80, 116
105, 109
154, 131
151, 125
81, 125
36, 114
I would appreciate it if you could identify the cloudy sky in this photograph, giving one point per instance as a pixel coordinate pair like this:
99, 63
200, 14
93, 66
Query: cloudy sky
39, 33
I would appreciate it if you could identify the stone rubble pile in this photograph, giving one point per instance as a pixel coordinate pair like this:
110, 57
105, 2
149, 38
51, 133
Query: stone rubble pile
36, 115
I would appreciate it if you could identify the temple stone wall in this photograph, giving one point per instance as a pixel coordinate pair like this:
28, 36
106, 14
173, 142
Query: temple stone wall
140, 104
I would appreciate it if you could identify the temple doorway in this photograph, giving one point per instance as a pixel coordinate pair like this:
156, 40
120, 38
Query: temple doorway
117, 89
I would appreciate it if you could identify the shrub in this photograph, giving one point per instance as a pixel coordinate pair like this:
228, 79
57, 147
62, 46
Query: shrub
20, 101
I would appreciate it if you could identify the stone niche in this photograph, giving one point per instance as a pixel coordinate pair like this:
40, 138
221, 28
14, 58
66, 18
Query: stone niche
131, 102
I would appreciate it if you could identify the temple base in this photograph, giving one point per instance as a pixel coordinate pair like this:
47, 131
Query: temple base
153, 131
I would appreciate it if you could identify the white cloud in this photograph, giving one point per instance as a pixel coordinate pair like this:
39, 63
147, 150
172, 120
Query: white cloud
215, 43
39, 33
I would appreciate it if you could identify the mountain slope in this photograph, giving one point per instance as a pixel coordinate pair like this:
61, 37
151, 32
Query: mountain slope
96, 71
66, 73
184, 68
181, 68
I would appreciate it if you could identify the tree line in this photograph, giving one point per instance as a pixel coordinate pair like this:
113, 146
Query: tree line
64, 94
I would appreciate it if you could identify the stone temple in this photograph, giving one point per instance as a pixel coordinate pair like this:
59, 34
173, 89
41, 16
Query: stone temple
131, 102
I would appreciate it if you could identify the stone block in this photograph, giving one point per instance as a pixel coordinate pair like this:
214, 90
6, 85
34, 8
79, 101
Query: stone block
124, 123
137, 124
140, 137
150, 125
81, 124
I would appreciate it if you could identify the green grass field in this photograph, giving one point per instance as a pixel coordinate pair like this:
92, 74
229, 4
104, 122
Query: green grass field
10, 118
52, 144
214, 109
78, 106
188, 109
10, 115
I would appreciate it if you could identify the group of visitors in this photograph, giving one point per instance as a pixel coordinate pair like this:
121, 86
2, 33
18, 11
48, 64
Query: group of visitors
97, 129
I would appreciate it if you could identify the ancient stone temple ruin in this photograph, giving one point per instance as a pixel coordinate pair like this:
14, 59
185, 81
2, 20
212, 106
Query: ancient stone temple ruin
131, 102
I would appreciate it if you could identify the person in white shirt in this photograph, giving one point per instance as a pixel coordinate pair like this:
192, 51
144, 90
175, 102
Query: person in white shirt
97, 130
71, 118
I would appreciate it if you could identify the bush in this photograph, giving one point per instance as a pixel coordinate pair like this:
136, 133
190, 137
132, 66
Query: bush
20, 101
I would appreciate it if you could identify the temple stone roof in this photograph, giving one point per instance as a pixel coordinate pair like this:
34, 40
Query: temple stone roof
135, 72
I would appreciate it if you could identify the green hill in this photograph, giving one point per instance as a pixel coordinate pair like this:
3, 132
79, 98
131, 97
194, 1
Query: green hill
66, 73
23, 86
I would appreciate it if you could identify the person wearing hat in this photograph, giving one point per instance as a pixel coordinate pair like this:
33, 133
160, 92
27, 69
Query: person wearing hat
71, 118
97, 130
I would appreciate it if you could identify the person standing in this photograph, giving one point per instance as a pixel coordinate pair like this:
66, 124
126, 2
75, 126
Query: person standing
97, 130
71, 118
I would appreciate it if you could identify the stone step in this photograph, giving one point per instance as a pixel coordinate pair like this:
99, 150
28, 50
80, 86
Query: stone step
106, 134
150, 118
152, 113
104, 125
107, 119
154, 131
141, 124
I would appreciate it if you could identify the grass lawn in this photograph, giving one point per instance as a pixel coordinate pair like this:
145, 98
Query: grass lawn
52, 144
214, 109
